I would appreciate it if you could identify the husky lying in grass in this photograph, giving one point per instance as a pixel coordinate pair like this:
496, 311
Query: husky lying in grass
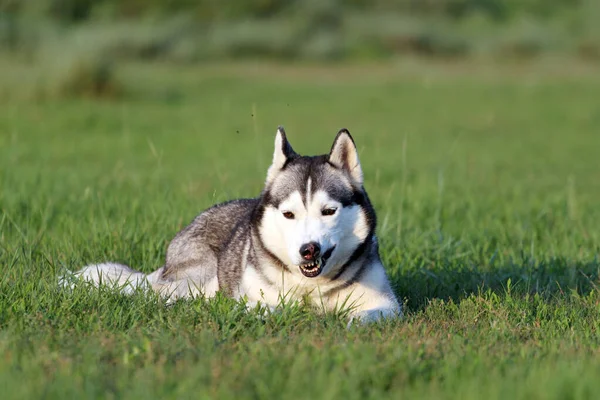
309, 235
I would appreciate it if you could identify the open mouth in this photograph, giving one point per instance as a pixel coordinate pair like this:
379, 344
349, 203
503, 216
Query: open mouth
312, 269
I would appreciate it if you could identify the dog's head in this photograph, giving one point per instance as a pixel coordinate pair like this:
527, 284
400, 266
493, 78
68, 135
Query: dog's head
315, 214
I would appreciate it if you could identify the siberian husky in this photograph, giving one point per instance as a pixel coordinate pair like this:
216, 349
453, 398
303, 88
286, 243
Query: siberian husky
309, 235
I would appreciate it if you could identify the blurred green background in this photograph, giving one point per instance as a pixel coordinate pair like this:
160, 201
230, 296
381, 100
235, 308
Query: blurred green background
189, 31
477, 123
77, 45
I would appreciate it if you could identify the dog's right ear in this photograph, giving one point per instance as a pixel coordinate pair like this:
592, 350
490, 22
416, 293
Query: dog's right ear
283, 152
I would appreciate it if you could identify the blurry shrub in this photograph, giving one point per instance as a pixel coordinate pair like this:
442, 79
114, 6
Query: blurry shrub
250, 39
51, 79
324, 46
76, 64
146, 40
90, 78
397, 34
526, 38
588, 30
9, 32
589, 50
70, 10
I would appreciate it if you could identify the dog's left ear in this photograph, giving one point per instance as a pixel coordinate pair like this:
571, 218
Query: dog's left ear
344, 155
283, 152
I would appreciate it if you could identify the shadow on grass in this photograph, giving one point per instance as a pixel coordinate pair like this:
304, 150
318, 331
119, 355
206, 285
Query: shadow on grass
554, 277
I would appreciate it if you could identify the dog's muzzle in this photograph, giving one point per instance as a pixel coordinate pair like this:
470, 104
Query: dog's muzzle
314, 268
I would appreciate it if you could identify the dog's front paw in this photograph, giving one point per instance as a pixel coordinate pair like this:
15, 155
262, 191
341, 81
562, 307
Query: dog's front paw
375, 315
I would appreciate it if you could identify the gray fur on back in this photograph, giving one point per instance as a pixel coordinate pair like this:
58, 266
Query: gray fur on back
196, 250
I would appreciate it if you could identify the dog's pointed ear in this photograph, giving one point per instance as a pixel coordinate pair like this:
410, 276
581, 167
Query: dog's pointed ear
344, 155
283, 152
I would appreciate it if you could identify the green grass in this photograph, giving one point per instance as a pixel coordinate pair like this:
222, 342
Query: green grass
486, 184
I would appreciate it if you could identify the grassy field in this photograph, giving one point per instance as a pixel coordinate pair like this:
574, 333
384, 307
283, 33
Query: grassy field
486, 182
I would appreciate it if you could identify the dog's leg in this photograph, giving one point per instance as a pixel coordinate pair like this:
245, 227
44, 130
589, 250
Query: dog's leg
182, 285
371, 299
374, 315
191, 266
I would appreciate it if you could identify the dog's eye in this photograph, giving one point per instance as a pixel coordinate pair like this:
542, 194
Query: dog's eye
328, 211
288, 215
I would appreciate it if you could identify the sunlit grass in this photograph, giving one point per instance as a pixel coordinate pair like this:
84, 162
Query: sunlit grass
486, 192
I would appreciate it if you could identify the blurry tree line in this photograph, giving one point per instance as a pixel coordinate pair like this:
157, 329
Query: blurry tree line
210, 10
76, 46
192, 30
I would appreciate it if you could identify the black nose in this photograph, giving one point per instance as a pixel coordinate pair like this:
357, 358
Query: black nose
310, 251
